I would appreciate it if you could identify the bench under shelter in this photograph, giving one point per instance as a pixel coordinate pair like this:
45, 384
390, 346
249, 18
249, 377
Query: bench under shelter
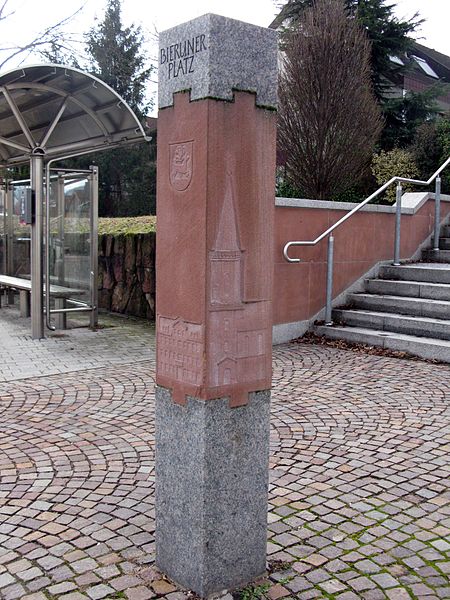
49, 222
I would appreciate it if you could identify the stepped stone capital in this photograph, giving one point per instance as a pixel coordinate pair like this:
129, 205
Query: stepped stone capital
212, 56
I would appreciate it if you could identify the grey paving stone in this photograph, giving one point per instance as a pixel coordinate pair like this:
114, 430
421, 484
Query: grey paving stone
367, 566
332, 586
99, 591
38, 584
5, 579
62, 588
360, 584
385, 580
13, 591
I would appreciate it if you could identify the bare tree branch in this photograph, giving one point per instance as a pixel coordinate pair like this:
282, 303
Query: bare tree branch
329, 120
50, 36
2, 11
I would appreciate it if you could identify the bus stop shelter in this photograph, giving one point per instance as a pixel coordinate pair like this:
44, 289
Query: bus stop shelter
50, 113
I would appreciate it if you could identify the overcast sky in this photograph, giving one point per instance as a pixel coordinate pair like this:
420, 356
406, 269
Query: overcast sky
32, 16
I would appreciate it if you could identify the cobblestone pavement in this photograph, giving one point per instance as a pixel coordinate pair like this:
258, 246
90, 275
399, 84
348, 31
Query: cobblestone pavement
359, 495
119, 340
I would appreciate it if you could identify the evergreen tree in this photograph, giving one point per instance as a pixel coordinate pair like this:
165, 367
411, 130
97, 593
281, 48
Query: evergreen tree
117, 55
404, 116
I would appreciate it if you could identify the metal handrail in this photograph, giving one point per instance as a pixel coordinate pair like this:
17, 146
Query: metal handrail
329, 231
357, 208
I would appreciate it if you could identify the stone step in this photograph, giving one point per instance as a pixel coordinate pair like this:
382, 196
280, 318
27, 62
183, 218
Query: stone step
419, 346
444, 243
383, 321
443, 256
423, 307
425, 272
414, 289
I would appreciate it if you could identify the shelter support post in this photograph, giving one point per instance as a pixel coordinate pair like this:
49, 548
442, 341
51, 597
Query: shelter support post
214, 302
37, 295
24, 303
437, 215
60, 318
398, 225
93, 181
330, 269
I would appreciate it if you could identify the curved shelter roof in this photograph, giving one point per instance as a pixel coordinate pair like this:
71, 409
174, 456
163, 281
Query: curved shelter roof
60, 111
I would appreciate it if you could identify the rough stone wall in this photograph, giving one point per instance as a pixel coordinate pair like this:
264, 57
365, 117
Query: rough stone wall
126, 274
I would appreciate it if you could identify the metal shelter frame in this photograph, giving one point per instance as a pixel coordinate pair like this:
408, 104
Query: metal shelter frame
52, 112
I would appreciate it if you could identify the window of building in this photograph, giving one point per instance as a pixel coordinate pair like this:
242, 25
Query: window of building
396, 60
425, 66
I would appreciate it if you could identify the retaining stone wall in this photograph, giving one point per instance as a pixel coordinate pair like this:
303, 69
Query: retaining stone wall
126, 274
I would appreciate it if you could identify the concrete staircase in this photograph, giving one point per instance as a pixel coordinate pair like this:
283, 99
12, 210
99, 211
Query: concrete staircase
407, 308
444, 245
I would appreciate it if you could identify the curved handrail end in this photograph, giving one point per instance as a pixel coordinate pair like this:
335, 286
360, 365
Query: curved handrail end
286, 255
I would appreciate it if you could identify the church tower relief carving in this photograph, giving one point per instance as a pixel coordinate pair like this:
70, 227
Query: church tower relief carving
237, 350
226, 257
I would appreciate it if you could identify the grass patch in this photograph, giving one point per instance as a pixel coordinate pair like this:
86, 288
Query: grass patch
254, 592
126, 225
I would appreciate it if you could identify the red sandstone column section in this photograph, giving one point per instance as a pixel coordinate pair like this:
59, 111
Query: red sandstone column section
214, 271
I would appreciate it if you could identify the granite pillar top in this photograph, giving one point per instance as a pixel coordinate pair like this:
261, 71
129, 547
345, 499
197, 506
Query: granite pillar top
213, 55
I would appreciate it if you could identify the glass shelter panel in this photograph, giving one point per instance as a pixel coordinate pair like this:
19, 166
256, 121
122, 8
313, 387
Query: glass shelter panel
69, 239
68, 250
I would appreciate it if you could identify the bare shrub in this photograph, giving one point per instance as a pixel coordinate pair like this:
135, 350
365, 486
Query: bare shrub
329, 120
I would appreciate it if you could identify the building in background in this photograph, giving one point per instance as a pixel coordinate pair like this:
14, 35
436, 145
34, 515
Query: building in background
426, 67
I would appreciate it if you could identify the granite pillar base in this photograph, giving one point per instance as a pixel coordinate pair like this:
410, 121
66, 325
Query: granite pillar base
211, 491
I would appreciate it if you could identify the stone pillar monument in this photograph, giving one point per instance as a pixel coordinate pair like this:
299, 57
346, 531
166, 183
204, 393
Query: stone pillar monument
216, 183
